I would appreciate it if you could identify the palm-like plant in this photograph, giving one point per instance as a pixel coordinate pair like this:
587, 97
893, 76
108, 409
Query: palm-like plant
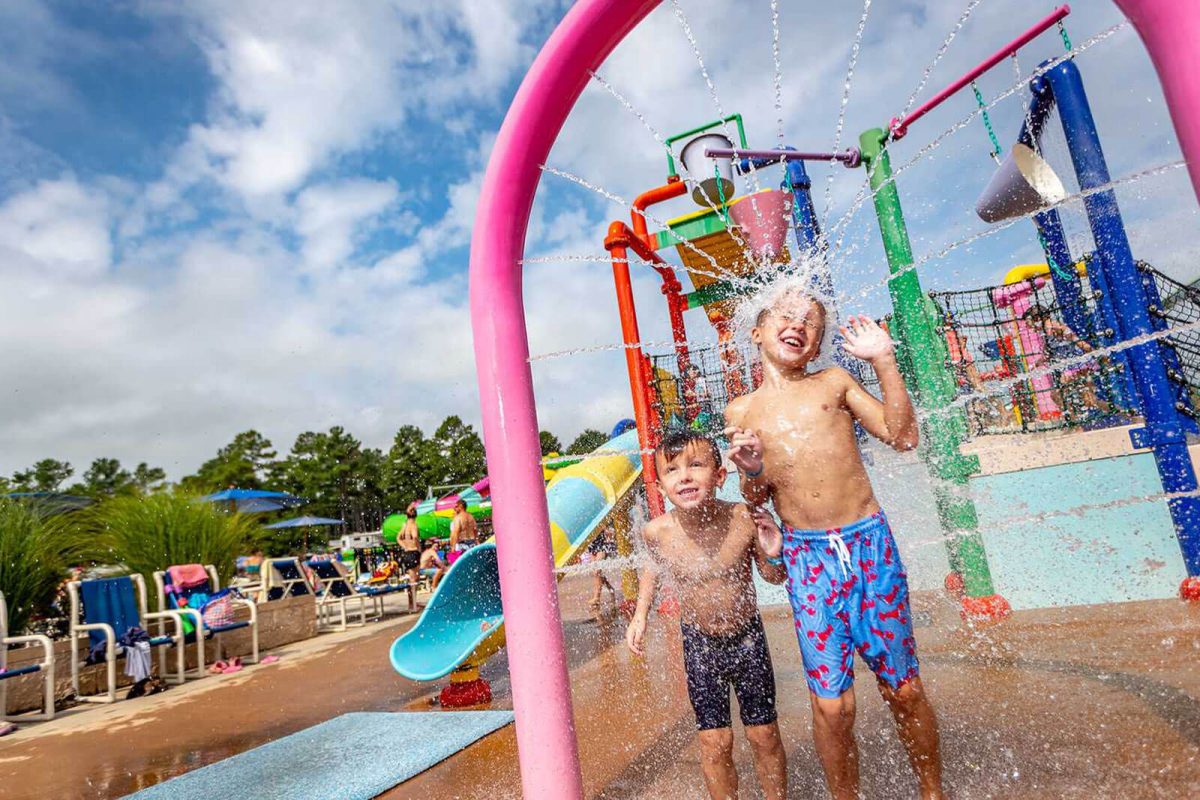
152, 532
37, 546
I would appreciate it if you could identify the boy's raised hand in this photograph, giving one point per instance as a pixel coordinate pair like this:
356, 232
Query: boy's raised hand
769, 535
745, 449
635, 635
865, 339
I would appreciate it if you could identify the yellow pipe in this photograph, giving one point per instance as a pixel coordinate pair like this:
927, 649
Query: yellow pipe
1024, 272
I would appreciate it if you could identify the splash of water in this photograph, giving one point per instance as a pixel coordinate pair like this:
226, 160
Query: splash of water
712, 90
938, 140
778, 62
719, 273
998, 227
733, 231
941, 51
841, 122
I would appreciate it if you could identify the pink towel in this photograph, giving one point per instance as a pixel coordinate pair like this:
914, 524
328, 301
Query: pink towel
188, 576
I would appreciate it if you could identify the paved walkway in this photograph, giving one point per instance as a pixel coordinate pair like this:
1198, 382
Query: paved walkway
1099, 701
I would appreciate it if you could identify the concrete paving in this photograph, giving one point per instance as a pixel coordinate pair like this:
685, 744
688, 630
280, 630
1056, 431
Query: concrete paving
1095, 701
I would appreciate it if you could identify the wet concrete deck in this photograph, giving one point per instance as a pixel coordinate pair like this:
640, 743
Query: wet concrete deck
1098, 701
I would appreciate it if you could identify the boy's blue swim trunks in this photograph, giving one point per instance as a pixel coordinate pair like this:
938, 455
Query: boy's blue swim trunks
849, 592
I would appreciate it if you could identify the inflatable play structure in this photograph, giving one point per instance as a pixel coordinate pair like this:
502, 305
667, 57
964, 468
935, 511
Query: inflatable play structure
524, 512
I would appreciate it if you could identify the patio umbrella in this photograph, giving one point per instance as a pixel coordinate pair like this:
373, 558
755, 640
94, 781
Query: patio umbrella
304, 522
250, 501
300, 522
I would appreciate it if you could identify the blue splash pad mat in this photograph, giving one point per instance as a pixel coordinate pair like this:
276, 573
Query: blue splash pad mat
351, 757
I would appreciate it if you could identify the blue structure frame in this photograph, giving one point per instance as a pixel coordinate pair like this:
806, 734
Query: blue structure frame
1168, 419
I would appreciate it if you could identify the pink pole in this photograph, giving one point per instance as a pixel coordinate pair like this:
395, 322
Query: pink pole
1170, 30
536, 656
537, 661
900, 127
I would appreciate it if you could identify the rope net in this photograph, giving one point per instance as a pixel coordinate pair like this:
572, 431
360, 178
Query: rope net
990, 334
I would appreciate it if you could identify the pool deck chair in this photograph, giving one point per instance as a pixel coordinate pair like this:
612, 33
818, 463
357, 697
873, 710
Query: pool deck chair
372, 591
45, 666
105, 609
176, 585
335, 594
283, 577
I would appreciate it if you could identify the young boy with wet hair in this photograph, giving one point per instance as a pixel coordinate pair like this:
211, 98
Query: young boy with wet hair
707, 547
793, 440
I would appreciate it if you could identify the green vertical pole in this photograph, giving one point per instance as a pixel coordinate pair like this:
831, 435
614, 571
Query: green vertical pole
928, 379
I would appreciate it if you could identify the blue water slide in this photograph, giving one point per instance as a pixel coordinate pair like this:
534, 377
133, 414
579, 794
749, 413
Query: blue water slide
464, 623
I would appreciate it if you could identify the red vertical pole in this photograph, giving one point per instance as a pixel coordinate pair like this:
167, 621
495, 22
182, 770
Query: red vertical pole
639, 382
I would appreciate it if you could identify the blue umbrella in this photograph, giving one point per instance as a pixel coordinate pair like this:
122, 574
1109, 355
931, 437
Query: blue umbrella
301, 522
255, 500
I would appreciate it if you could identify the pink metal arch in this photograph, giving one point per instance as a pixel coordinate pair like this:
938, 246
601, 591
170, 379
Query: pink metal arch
537, 661
536, 657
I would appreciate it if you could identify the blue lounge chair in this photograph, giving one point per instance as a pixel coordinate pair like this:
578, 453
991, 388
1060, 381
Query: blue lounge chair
283, 577
375, 592
45, 666
335, 594
173, 598
105, 610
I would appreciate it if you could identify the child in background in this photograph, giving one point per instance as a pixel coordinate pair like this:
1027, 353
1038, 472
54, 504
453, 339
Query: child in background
707, 546
602, 547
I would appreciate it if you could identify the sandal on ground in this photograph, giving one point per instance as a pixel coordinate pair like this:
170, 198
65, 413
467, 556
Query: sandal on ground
137, 690
234, 665
6, 728
217, 668
268, 659
156, 686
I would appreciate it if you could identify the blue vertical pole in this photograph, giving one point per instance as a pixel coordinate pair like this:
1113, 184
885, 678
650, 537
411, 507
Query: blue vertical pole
1104, 325
1164, 432
1066, 287
804, 215
804, 222
1170, 357
1065, 278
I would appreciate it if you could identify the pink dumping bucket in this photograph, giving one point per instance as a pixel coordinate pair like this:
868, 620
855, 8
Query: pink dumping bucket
763, 220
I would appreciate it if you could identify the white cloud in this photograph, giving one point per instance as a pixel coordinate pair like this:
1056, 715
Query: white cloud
160, 341
330, 216
60, 225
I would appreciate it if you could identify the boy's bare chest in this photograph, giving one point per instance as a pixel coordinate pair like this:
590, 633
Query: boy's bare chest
797, 419
698, 560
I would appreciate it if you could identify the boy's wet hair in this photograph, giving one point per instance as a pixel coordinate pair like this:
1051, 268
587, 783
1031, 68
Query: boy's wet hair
676, 441
766, 309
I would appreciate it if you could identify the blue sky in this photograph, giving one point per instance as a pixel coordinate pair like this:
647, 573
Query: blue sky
223, 215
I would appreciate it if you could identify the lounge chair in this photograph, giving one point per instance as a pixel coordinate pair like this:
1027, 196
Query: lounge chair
335, 594
105, 609
283, 577
174, 590
45, 666
372, 591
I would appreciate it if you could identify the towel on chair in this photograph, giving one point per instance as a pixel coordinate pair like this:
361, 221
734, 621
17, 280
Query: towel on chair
188, 576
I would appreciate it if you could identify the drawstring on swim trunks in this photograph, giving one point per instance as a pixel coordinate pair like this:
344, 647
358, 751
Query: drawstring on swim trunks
843, 553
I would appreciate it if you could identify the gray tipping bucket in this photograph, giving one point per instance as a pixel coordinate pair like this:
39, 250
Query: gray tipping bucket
710, 178
1023, 183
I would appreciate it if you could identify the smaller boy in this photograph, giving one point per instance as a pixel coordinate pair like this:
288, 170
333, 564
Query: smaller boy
706, 546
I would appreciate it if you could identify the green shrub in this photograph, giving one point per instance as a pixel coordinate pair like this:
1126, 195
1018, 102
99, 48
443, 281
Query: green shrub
146, 533
37, 547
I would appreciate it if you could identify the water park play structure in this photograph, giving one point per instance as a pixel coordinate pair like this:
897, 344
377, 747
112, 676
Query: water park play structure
463, 624
435, 513
589, 32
